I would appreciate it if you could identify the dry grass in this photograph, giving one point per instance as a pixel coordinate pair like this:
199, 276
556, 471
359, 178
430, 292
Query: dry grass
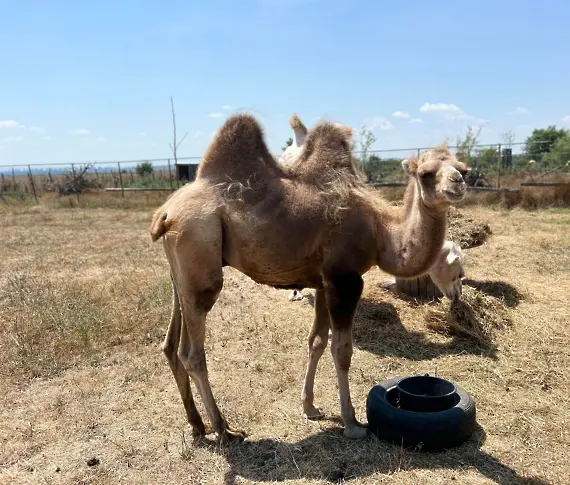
85, 301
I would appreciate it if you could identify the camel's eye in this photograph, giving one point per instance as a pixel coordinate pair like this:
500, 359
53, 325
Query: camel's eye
427, 175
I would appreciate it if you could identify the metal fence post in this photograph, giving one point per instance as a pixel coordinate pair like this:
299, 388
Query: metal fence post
499, 167
13, 179
32, 182
418, 153
170, 176
121, 179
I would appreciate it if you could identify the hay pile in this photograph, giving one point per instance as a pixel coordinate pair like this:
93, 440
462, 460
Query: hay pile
477, 315
466, 231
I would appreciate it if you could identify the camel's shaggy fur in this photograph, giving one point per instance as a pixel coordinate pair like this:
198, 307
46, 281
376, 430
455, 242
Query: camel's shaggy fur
241, 208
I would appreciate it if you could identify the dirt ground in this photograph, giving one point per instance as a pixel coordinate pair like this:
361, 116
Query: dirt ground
86, 396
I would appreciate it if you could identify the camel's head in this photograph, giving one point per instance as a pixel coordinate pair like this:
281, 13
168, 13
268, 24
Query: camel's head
440, 177
447, 271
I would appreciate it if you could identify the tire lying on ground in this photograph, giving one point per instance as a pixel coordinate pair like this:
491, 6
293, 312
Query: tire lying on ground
429, 431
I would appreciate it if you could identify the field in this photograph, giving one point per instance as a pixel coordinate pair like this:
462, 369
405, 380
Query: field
85, 301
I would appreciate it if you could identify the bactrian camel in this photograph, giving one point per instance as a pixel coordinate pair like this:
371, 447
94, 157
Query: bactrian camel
447, 270
241, 208
293, 151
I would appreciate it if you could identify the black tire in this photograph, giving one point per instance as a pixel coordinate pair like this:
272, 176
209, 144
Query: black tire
423, 431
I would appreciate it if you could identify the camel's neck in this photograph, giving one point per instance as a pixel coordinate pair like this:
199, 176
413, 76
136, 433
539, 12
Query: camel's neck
300, 136
411, 243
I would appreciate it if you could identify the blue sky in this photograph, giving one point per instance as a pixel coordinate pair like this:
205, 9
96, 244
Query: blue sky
92, 80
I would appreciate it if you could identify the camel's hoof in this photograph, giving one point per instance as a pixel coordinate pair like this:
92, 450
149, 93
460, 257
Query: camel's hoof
355, 431
313, 414
201, 431
232, 436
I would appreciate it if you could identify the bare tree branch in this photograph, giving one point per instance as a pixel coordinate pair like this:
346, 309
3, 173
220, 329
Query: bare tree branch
174, 146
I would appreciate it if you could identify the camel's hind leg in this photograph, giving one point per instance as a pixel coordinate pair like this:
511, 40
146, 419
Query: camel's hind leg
318, 339
170, 348
196, 261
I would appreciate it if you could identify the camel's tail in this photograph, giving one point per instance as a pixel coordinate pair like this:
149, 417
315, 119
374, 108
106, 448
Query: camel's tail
158, 226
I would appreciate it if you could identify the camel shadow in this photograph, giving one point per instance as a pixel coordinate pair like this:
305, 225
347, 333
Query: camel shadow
379, 330
328, 456
497, 289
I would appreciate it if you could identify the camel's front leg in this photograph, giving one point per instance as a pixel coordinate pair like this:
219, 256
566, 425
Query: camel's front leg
343, 293
318, 339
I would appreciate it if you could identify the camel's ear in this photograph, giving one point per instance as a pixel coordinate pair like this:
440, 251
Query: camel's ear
410, 166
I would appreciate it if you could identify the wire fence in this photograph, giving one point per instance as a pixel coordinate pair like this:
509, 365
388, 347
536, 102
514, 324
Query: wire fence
497, 166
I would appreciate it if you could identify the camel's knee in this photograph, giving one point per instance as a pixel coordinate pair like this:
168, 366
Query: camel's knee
206, 297
318, 343
194, 362
168, 349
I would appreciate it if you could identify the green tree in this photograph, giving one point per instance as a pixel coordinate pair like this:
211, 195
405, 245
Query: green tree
288, 143
367, 139
466, 144
559, 154
485, 157
144, 169
542, 140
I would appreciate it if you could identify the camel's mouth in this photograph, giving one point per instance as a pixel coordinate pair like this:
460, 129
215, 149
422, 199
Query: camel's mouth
454, 195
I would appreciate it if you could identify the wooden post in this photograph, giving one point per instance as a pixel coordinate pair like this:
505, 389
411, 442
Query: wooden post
499, 168
13, 179
2, 190
32, 182
121, 179
418, 153
170, 176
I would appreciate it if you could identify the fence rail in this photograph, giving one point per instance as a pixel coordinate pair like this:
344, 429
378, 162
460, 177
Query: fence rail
503, 167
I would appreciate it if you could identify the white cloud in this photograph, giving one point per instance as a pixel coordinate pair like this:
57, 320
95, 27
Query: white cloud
441, 108
37, 129
11, 139
227, 106
566, 119
400, 114
416, 120
101, 139
10, 124
380, 123
216, 115
197, 134
519, 111
79, 131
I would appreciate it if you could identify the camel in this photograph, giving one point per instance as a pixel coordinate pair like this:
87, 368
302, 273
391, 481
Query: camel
447, 272
243, 205
293, 151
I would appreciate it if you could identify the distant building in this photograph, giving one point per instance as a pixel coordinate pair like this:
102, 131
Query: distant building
186, 172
